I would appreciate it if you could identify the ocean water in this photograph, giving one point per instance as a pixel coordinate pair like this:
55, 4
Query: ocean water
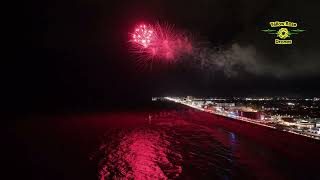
177, 145
166, 142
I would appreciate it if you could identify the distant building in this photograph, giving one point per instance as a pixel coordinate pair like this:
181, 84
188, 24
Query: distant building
189, 98
247, 112
208, 102
288, 121
315, 130
251, 114
305, 124
225, 104
267, 117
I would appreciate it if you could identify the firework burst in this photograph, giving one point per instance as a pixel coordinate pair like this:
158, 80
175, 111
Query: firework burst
143, 35
159, 43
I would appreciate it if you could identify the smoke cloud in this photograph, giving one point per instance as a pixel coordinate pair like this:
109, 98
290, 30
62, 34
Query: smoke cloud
238, 59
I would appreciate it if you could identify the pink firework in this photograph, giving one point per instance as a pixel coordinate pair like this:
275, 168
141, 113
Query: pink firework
143, 35
159, 43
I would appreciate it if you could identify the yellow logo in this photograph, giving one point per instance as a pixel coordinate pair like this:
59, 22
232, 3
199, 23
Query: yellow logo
284, 31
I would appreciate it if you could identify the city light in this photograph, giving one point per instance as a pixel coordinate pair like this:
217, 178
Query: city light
236, 108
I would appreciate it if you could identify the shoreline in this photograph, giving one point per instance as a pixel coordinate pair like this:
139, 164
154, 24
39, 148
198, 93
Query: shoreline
243, 119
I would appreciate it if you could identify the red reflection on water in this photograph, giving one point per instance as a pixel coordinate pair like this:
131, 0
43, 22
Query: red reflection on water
139, 156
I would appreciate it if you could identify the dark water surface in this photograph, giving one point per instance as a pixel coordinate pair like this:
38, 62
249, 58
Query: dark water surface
167, 142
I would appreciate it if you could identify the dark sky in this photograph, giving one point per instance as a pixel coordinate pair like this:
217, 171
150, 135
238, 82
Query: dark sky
73, 53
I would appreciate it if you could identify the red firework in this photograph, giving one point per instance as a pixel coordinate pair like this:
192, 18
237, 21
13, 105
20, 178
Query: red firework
143, 35
158, 42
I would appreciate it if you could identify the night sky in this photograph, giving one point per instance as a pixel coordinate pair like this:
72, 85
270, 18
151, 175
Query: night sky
74, 54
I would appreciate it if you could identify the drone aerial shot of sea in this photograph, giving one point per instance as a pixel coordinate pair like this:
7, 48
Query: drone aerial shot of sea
162, 141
